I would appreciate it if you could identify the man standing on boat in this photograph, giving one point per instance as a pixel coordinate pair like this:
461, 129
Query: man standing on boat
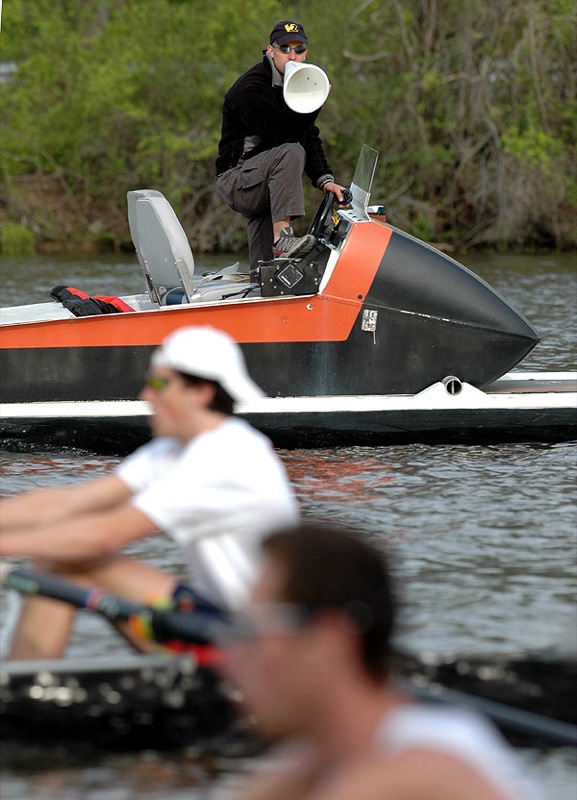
311, 654
207, 479
264, 148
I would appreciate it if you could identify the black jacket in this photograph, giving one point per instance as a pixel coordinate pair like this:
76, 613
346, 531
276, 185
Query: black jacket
253, 106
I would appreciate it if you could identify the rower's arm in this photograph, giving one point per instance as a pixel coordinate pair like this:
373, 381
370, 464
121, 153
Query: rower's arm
84, 538
43, 506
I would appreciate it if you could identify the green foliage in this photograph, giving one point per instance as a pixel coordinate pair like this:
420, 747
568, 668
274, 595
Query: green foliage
16, 240
422, 228
473, 108
533, 146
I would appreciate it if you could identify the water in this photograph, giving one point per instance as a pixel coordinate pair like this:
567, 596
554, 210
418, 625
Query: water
483, 537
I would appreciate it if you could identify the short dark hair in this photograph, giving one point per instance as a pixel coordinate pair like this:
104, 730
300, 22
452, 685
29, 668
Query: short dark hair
222, 401
329, 567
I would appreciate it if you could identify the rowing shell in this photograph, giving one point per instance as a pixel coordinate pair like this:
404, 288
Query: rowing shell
116, 705
78, 706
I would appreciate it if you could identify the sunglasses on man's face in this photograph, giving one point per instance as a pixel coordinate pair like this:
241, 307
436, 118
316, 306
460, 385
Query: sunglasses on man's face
286, 48
265, 619
157, 382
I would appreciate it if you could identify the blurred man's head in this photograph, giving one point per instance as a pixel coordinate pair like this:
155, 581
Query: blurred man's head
322, 610
196, 368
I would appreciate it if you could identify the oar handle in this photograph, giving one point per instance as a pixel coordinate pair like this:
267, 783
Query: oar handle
164, 625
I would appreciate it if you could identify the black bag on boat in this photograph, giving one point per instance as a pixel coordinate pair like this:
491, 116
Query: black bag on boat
81, 305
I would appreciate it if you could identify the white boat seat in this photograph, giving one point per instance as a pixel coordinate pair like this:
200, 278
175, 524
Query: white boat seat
213, 290
165, 257
162, 248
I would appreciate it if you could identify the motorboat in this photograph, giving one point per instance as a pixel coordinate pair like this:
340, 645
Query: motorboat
372, 337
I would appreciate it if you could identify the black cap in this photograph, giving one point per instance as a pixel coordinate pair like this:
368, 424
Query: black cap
287, 31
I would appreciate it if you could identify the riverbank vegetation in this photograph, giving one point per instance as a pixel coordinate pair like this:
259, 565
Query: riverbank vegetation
472, 106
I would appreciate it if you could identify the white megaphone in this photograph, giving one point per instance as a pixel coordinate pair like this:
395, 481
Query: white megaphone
306, 87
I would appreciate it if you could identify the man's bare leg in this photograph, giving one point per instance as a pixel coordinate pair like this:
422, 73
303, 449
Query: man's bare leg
278, 226
44, 627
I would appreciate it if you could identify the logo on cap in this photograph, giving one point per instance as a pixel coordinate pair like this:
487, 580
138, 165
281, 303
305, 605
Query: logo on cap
286, 30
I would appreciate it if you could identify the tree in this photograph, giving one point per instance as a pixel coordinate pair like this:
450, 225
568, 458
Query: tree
472, 107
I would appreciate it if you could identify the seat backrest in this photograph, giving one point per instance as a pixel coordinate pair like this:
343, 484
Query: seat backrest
161, 244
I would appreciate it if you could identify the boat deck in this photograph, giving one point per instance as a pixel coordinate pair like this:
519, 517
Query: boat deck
524, 382
523, 406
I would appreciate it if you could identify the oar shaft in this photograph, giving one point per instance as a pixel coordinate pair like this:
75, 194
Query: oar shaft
39, 583
506, 717
165, 626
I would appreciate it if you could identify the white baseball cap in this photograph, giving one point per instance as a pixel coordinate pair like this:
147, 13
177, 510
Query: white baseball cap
209, 353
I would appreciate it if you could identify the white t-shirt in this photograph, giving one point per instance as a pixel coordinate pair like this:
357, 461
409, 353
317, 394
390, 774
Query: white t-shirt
216, 497
459, 733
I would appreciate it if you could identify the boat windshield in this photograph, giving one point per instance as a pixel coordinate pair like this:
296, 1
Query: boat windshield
363, 177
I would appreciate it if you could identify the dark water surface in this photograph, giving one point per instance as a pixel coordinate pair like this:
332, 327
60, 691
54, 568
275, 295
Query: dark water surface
484, 537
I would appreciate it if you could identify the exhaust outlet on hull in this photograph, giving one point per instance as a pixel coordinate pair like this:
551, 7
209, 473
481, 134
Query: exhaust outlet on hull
452, 384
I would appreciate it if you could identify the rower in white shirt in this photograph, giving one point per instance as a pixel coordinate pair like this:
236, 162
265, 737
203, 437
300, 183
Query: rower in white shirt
207, 479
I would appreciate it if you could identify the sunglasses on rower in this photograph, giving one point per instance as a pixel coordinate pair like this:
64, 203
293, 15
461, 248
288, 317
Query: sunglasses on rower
157, 382
288, 619
286, 48
265, 619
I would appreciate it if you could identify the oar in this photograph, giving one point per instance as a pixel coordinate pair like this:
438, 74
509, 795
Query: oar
506, 717
164, 625
186, 627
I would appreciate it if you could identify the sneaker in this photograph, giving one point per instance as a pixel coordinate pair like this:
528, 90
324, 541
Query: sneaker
290, 246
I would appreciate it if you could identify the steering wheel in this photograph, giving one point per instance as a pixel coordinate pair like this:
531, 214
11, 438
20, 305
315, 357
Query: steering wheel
323, 214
